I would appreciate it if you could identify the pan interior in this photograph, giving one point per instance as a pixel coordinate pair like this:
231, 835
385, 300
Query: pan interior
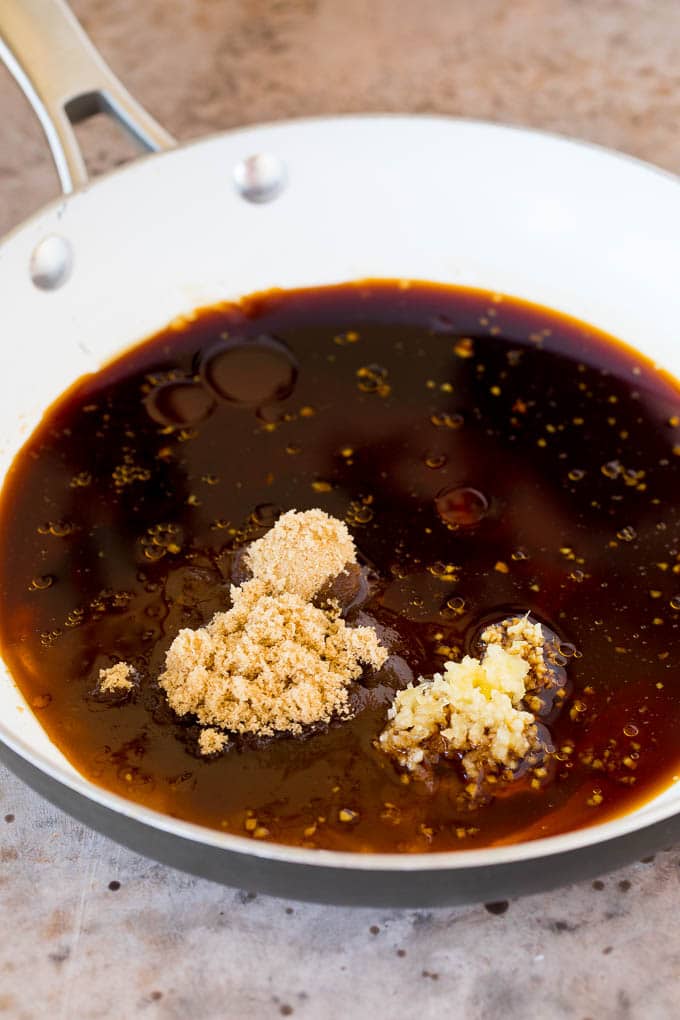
548, 228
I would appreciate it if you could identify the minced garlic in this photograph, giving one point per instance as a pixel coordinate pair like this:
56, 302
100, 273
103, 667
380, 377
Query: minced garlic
473, 706
519, 636
116, 679
275, 662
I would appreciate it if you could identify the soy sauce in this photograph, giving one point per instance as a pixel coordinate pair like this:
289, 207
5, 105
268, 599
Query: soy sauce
489, 457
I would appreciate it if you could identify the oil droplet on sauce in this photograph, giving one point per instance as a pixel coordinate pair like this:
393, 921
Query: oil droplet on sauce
265, 515
179, 403
461, 507
258, 371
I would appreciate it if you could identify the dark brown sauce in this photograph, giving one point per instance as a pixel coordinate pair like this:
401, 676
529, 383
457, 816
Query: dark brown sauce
450, 429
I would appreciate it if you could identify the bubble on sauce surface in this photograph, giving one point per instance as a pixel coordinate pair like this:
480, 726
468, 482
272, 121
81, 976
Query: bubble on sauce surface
160, 539
81, 480
462, 506
265, 515
444, 571
464, 347
58, 529
612, 469
444, 420
358, 514
41, 583
179, 403
259, 371
627, 534
373, 379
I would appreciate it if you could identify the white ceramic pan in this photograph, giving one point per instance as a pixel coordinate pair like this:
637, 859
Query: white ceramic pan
571, 226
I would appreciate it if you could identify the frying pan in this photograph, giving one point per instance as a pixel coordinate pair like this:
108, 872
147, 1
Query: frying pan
588, 232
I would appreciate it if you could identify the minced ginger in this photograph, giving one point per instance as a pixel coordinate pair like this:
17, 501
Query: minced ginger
274, 662
474, 707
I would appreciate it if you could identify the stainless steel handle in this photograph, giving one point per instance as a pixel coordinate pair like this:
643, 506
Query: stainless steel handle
66, 81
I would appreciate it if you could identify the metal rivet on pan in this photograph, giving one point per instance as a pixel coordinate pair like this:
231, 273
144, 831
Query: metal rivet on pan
261, 177
51, 262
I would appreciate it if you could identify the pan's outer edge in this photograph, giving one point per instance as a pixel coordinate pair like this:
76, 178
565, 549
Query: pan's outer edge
341, 886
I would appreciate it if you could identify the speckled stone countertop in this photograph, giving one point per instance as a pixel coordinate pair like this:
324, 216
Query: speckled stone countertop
90, 930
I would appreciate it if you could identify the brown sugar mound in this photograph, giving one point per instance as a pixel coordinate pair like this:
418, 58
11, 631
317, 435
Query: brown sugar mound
212, 741
274, 662
301, 553
116, 679
271, 663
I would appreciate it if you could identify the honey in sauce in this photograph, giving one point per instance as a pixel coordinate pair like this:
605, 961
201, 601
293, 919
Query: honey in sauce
490, 457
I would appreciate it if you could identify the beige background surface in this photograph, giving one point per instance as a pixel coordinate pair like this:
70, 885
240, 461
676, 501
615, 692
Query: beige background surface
167, 946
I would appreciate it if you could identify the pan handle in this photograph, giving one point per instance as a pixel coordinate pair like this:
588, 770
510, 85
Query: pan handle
66, 81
